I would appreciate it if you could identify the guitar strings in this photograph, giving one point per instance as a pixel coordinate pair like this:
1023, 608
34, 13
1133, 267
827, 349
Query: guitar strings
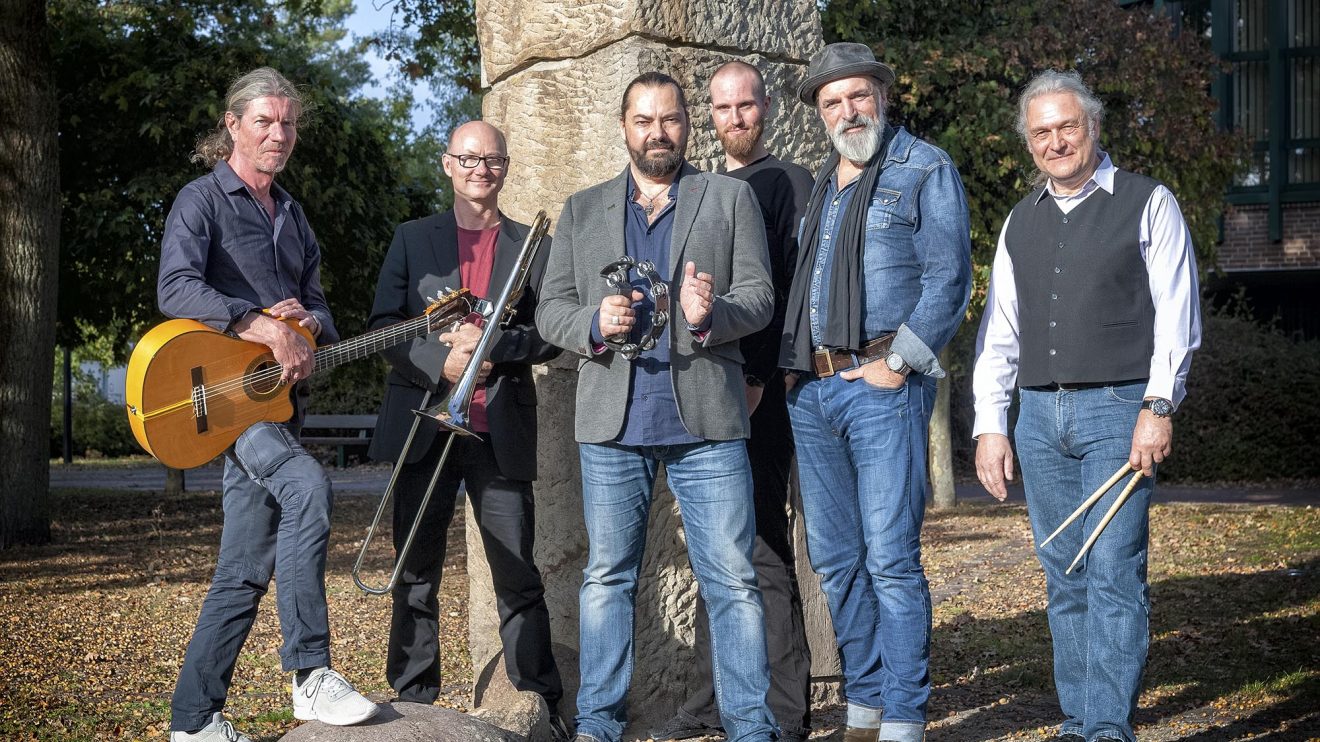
338, 353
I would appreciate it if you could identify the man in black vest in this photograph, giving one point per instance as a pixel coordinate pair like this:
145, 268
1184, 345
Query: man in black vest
1093, 315
739, 110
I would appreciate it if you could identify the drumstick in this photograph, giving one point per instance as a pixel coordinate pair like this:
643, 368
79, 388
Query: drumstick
1089, 501
1122, 498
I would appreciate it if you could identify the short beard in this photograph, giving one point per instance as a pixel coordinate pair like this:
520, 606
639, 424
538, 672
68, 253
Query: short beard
275, 169
658, 167
739, 147
861, 146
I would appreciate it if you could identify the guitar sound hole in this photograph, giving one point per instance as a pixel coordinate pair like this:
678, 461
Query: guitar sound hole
263, 379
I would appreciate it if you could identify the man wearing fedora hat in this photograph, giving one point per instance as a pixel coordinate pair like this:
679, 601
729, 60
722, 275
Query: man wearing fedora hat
882, 282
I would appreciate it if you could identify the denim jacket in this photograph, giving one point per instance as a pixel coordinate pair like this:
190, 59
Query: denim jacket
917, 256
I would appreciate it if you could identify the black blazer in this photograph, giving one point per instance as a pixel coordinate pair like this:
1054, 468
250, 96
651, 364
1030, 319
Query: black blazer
422, 262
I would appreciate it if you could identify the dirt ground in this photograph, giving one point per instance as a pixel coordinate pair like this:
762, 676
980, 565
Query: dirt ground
95, 624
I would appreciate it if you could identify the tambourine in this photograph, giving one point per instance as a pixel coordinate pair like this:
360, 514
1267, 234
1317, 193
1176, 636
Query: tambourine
616, 275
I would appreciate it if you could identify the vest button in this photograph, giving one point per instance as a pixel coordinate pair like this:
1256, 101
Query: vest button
1054, 296
1058, 269
1052, 351
1060, 245
1053, 323
1065, 220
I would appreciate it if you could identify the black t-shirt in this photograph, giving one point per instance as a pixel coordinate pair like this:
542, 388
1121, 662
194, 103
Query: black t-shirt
782, 189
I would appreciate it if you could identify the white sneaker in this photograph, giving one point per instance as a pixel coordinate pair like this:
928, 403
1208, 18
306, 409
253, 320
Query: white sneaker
327, 697
218, 730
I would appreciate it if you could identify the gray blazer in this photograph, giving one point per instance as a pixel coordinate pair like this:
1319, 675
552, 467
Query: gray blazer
718, 226
421, 262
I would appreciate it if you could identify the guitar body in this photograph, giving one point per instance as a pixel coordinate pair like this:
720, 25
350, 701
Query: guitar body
191, 391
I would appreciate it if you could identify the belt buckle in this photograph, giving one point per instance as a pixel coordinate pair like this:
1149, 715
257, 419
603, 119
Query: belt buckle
829, 361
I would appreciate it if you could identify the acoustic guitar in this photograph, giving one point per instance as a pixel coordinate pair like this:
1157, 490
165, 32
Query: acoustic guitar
192, 390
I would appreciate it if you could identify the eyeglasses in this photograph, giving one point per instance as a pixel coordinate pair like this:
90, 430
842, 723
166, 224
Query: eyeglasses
493, 162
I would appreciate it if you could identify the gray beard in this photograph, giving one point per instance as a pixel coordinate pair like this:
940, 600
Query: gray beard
862, 146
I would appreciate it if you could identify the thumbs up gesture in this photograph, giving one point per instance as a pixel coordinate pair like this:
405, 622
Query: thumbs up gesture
696, 295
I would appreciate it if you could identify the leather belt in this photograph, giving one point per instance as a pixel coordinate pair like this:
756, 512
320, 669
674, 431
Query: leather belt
827, 362
1079, 386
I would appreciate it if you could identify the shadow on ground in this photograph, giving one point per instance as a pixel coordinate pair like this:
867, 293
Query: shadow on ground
1212, 637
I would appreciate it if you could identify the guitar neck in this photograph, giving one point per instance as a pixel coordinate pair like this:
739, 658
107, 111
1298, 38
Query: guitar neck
371, 343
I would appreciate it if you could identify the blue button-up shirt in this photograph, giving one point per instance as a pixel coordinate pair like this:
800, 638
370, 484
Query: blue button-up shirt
652, 418
223, 256
916, 256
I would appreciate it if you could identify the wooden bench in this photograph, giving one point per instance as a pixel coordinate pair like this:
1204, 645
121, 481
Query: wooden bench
359, 431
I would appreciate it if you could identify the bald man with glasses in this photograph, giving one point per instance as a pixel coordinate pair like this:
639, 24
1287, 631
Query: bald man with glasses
475, 246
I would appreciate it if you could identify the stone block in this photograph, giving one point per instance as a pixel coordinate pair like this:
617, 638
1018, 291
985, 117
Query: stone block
562, 118
406, 722
515, 34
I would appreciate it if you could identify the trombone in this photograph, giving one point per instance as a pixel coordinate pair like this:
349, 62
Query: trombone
452, 412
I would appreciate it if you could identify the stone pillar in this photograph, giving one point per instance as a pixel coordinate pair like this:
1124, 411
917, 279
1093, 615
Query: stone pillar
556, 70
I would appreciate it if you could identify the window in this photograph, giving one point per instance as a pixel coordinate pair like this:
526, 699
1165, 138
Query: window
1271, 92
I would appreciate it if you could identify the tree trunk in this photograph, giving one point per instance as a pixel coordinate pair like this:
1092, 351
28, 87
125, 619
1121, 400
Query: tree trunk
29, 269
941, 444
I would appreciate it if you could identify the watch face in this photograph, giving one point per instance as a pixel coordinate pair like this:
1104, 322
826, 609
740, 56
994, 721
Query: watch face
894, 362
1161, 407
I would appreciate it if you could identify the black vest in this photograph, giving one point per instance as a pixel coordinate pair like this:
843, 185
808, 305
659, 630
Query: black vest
1084, 309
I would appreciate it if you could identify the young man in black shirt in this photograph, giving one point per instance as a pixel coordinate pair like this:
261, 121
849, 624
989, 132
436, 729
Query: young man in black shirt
739, 110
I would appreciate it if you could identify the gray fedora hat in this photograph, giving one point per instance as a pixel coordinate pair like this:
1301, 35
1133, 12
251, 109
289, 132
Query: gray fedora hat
837, 61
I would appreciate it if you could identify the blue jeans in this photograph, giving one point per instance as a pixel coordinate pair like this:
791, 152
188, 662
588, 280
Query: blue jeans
712, 482
277, 505
862, 464
1070, 443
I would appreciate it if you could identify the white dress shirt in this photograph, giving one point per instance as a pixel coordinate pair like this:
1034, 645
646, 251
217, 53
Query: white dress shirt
1166, 247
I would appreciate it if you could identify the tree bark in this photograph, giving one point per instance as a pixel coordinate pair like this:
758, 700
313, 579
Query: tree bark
29, 269
941, 444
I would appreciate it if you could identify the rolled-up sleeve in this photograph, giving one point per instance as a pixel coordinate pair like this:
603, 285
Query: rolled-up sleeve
943, 245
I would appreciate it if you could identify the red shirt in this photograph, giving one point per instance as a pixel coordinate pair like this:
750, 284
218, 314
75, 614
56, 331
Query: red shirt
476, 258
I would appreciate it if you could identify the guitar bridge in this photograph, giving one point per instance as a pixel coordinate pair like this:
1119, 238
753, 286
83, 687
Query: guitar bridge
199, 399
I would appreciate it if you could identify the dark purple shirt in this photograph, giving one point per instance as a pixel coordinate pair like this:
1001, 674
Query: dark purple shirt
223, 256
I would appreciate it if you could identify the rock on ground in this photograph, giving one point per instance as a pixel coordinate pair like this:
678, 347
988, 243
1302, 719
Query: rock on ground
408, 722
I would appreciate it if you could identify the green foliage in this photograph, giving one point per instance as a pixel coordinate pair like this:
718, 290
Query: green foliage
99, 426
355, 389
1252, 411
441, 43
140, 82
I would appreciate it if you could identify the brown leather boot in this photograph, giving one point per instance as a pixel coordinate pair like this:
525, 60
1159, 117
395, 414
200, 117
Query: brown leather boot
855, 734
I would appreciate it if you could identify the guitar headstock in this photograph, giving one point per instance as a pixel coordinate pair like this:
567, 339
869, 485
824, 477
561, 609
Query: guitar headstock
447, 308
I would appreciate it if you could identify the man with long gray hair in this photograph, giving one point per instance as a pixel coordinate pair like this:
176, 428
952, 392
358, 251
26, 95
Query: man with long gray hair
882, 281
239, 255
1093, 315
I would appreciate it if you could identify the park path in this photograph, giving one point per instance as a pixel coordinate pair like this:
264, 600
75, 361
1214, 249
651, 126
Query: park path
372, 478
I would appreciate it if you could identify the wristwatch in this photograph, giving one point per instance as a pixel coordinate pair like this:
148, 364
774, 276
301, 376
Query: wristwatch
1158, 407
896, 364
751, 380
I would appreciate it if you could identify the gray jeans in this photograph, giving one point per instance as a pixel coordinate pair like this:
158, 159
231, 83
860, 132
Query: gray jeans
277, 504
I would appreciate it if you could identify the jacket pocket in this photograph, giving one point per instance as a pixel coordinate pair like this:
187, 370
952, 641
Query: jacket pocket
885, 211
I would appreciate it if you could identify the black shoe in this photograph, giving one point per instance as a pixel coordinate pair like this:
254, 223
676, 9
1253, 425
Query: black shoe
1068, 738
559, 729
682, 726
794, 736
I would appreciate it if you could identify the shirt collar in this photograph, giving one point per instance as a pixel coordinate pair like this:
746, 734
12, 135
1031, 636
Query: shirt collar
673, 187
231, 183
1102, 178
